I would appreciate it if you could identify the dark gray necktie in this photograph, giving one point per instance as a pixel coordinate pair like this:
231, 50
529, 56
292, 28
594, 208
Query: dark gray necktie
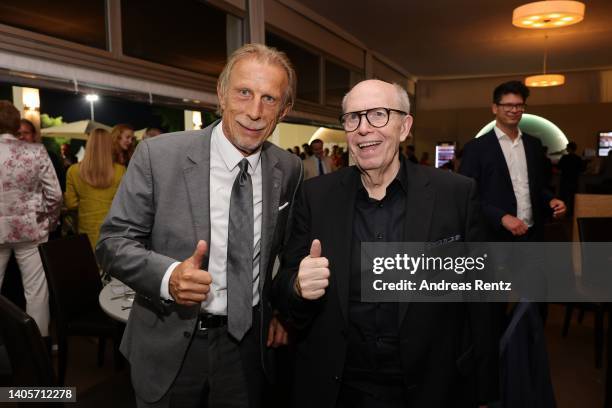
240, 255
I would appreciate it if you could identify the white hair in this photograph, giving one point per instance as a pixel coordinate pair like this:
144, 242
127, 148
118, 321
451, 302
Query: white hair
402, 96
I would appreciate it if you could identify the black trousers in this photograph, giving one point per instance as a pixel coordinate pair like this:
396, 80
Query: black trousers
218, 372
389, 396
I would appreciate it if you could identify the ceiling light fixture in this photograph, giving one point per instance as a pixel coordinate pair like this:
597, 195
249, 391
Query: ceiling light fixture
545, 80
548, 14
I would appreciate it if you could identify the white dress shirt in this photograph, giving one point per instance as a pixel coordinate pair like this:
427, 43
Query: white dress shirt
514, 153
224, 159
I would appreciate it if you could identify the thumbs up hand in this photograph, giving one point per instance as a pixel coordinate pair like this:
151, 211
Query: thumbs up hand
313, 274
188, 284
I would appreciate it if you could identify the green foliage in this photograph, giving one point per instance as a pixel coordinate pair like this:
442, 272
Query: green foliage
47, 121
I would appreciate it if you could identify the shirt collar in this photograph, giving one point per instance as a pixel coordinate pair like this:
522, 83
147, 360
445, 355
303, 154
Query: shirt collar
401, 174
399, 180
229, 154
500, 133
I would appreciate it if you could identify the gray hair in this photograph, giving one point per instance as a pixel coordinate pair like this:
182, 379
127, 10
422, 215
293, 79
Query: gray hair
402, 97
264, 54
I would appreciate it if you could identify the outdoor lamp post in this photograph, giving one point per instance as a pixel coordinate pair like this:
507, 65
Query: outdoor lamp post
91, 98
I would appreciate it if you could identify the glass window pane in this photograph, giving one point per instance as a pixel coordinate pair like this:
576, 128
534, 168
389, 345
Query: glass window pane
306, 66
338, 81
83, 22
186, 34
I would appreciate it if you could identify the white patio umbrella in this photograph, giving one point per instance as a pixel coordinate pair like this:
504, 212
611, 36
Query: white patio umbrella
74, 130
140, 133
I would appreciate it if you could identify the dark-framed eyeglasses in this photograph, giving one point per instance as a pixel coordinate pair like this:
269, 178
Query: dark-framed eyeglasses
376, 117
508, 107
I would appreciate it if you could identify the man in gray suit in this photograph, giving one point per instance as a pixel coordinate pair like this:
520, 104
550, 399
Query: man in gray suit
194, 230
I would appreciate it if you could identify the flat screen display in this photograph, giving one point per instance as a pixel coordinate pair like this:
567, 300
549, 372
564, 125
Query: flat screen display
604, 143
445, 152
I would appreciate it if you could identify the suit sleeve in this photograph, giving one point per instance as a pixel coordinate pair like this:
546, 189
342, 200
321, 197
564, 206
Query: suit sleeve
482, 316
471, 167
124, 235
297, 311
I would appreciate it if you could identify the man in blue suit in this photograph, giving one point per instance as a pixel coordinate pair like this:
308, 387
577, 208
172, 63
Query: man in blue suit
508, 166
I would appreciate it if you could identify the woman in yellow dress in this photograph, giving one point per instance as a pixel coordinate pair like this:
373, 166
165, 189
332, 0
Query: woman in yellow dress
92, 184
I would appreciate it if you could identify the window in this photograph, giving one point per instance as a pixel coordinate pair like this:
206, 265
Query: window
306, 66
186, 34
83, 22
338, 81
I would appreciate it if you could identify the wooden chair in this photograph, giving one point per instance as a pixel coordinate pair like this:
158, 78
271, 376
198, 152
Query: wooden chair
587, 206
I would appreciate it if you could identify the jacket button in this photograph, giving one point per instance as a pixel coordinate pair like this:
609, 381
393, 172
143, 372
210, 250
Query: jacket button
337, 377
187, 334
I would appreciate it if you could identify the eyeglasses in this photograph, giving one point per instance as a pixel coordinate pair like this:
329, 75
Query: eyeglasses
376, 117
507, 107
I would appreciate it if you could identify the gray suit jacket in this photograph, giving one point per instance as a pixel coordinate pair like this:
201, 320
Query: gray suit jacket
160, 212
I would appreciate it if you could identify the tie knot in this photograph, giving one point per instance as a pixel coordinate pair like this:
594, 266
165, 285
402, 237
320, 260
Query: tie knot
244, 165
243, 176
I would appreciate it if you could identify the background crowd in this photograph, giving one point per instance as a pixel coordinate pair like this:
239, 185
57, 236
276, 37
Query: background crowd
46, 195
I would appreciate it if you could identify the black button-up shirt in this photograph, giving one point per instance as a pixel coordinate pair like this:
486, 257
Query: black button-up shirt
373, 335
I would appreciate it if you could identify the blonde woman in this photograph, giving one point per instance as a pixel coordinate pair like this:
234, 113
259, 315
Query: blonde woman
92, 183
124, 143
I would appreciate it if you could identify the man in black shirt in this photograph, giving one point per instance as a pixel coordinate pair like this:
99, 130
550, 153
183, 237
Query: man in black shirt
351, 353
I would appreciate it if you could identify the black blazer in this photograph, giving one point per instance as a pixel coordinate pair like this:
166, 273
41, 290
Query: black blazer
484, 161
448, 350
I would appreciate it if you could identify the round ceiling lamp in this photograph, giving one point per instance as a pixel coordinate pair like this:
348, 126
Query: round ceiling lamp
545, 80
548, 14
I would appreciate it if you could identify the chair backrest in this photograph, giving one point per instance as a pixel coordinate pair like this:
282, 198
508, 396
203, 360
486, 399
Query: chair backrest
30, 362
73, 276
596, 257
590, 205
595, 229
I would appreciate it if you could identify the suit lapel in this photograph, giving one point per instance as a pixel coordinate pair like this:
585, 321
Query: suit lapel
272, 178
197, 178
420, 200
498, 156
342, 236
